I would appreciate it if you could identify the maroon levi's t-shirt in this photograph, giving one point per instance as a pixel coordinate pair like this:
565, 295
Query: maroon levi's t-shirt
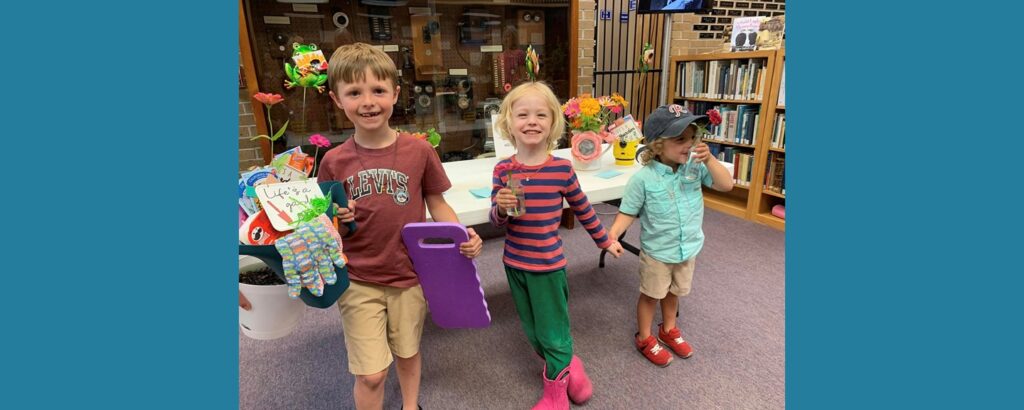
389, 187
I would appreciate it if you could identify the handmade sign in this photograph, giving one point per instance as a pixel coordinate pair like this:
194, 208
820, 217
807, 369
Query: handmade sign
449, 279
284, 201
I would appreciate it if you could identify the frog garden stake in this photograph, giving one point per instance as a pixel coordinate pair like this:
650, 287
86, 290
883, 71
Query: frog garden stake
310, 68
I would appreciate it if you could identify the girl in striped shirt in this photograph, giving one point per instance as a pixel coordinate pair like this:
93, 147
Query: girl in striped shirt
530, 117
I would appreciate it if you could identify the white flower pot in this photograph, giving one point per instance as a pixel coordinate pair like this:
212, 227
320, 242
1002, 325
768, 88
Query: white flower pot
273, 314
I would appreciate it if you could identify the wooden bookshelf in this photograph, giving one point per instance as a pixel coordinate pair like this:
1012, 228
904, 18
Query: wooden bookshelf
765, 198
752, 202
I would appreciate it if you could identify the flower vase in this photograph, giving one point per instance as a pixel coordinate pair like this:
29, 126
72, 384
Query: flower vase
515, 183
625, 152
586, 150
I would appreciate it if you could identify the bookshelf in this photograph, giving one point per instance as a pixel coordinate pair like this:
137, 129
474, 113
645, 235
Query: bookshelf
743, 86
771, 189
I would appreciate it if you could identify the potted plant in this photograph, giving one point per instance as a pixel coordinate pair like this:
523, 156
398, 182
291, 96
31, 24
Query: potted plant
588, 118
265, 311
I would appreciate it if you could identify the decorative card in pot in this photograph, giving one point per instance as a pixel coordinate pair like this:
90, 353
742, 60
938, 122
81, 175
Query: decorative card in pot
292, 165
284, 201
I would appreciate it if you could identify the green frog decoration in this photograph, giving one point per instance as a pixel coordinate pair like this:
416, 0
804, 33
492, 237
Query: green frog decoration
310, 68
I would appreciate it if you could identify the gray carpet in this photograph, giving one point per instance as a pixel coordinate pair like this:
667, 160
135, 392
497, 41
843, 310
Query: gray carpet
734, 318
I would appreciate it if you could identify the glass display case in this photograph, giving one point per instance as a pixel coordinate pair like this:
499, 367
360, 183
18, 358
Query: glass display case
456, 60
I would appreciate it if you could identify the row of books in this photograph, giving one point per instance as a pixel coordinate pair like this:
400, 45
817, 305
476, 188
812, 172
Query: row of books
779, 133
723, 79
739, 122
742, 161
775, 178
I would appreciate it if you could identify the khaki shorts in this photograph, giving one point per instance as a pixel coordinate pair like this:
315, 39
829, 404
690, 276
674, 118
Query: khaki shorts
658, 278
378, 321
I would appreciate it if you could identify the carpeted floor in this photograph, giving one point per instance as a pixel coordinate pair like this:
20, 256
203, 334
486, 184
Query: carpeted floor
734, 319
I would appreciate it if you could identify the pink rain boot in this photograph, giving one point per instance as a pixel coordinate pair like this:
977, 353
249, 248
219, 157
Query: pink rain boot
555, 396
580, 388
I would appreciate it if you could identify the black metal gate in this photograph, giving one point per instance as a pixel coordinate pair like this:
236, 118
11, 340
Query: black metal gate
619, 39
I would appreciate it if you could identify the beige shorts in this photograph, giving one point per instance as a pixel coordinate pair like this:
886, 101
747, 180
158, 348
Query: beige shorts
658, 278
378, 321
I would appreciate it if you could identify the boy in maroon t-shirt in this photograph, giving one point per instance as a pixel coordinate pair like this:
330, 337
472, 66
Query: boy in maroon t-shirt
394, 178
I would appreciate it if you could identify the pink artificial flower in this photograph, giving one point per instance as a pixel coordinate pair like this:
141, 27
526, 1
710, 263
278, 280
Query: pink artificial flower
506, 168
268, 99
572, 108
714, 117
319, 140
615, 109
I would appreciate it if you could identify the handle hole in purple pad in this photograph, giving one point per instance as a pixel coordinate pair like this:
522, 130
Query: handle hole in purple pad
437, 243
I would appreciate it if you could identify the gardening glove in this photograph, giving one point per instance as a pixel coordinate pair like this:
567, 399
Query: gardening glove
288, 263
309, 255
328, 234
313, 279
300, 264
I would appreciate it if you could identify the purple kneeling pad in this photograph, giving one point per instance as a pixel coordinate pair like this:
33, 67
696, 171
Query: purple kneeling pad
449, 279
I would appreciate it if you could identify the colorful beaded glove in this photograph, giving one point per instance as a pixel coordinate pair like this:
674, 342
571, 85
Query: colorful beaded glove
309, 255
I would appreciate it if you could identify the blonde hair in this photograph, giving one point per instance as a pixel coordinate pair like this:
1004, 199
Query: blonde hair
652, 151
535, 88
349, 63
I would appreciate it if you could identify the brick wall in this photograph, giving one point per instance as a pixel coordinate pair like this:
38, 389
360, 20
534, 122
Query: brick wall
587, 25
248, 151
704, 32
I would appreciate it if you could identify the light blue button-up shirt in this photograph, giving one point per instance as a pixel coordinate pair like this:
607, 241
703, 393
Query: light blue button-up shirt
671, 211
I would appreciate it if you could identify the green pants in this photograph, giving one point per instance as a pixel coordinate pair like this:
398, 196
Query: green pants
542, 301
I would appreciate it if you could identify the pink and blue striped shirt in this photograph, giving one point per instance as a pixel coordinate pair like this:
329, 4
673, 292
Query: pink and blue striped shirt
532, 243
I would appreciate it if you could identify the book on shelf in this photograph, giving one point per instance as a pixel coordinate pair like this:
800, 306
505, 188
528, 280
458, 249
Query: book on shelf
753, 130
736, 79
744, 123
775, 178
782, 87
772, 34
714, 149
744, 33
779, 133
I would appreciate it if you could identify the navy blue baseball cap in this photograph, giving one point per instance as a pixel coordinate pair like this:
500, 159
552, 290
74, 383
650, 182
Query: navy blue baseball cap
669, 121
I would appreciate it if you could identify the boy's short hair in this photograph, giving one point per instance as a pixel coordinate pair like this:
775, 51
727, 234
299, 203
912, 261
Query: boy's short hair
542, 88
349, 63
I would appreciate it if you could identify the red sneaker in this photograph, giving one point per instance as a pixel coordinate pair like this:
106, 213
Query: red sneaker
674, 340
652, 350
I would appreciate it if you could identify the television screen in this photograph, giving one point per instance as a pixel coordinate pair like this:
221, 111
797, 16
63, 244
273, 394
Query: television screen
672, 6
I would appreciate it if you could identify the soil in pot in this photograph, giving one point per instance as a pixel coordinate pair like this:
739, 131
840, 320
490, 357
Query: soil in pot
260, 277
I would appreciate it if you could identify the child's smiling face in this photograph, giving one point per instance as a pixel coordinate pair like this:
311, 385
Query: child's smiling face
368, 103
677, 150
531, 120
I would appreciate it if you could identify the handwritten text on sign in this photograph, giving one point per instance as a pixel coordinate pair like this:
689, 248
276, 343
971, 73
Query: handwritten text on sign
283, 201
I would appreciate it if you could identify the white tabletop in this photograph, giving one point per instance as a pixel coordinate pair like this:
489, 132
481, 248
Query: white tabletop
476, 173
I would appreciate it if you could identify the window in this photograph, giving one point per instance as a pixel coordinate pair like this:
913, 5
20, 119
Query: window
457, 59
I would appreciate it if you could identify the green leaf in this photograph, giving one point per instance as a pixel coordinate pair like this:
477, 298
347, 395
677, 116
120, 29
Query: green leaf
258, 137
433, 137
280, 131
